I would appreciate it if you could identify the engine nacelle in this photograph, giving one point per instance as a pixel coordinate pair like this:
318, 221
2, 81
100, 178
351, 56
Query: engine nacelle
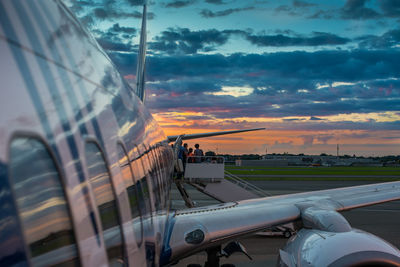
312, 247
329, 240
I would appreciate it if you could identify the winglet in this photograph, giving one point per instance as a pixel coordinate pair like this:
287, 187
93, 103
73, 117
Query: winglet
141, 63
172, 138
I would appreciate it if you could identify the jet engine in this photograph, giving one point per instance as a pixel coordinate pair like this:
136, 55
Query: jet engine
328, 240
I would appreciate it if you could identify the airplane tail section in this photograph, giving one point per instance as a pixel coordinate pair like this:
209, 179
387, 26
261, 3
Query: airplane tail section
141, 62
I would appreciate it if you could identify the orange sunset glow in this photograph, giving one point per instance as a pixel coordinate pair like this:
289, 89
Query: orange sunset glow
281, 136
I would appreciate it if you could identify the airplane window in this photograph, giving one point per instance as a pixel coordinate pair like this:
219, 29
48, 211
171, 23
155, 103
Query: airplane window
42, 205
100, 181
132, 194
155, 177
165, 179
138, 167
160, 175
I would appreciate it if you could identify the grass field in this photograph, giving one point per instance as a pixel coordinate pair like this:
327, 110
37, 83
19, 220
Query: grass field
316, 173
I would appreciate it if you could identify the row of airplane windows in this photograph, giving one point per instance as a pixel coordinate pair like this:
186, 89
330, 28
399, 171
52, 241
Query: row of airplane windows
44, 212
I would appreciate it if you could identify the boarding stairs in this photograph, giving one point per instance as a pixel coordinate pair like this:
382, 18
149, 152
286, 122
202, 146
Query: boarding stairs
207, 174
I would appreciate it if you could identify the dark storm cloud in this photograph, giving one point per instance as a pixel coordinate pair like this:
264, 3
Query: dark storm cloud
323, 14
216, 2
90, 13
297, 8
390, 8
179, 3
181, 86
390, 137
298, 3
293, 120
315, 119
206, 13
126, 62
103, 14
116, 28
79, 6
116, 38
390, 39
322, 66
358, 10
317, 38
184, 82
355, 9
136, 2
114, 45
183, 40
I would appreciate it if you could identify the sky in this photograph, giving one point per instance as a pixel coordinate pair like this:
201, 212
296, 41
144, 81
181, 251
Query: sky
313, 73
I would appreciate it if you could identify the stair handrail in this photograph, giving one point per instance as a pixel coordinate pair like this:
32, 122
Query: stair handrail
246, 185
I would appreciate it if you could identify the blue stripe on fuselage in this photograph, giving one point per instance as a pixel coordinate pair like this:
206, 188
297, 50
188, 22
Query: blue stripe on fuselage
52, 87
53, 91
70, 58
68, 88
28, 79
166, 252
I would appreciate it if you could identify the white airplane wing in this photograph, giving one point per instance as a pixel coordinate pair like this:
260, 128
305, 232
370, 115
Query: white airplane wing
194, 230
172, 138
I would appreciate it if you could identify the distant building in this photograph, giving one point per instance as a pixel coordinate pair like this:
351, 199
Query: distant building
267, 163
310, 160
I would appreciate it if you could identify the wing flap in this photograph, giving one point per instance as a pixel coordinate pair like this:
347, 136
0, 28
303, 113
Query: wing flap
225, 222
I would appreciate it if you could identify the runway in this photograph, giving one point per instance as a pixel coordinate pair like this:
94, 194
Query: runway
382, 220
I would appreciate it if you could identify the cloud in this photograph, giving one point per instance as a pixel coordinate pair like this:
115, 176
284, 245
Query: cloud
357, 135
359, 10
323, 14
282, 145
179, 3
316, 39
183, 40
78, 6
298, 3
116, 28
308, 140
90, 13
116, 38
390, 8
324, 138
216, 2
137, 2
363, 83
289, 120
206, 13
390, 39
103, 14
297, 8
355, 9
315, 119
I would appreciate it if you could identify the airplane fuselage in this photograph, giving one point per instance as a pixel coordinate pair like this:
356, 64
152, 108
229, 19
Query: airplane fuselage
64, 104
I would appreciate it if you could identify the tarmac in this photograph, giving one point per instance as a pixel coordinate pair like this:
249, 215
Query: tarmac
382, 220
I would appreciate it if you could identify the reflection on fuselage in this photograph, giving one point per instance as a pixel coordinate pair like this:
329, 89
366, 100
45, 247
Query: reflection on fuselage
131, 189
41, 203
99, 178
